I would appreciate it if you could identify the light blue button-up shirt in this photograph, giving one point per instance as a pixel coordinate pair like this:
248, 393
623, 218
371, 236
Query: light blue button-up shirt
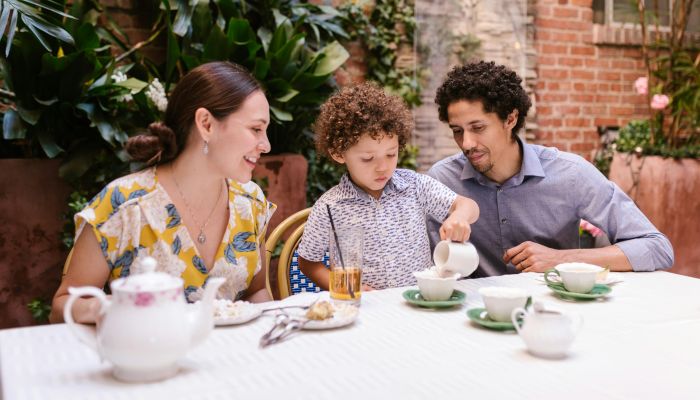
544, 203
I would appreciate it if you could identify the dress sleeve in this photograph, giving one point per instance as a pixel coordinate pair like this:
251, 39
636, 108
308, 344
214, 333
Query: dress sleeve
94, 215
435, 198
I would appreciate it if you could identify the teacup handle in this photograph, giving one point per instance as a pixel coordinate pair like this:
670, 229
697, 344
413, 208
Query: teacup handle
551, 271
86, 336
514, 317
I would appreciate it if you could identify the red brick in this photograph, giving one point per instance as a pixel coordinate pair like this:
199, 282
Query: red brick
587, 37
565, 12
563, 25
583, 50
554, 97
568, 135
553, 73
594, 110
584, 87
590, 135
623, 64
577, 122
543, 135
621, 111
543, 10
559, 145
603, 87
630, 77
617, 87
606, 98
544, 111
558, 86
550, 122
582, 147
609, 75
607, 121
570, 61
583, 3
568, 110
547, 60
633, 99
552, 48
584, 98
605, 51
597, 63
632, 53
582, 74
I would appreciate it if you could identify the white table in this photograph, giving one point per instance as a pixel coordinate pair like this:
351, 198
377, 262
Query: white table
642, 343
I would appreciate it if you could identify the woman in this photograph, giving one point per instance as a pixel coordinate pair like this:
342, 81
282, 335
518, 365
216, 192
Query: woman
189, 209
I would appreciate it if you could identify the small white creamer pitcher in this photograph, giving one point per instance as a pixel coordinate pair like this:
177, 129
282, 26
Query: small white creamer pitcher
546, 333
147, 325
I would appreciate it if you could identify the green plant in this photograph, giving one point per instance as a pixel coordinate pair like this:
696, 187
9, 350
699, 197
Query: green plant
289, 46
40, 310
38, 17
672, 84
636, 137
383, 30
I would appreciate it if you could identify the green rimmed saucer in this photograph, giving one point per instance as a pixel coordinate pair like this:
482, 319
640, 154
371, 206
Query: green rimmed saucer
413, 296
480, 316
598, 291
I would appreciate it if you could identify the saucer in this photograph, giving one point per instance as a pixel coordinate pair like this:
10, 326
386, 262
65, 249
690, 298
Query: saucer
480, 316
236, 313
598, 291
413, 296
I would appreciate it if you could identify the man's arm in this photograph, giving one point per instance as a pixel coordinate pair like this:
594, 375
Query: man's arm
637, 244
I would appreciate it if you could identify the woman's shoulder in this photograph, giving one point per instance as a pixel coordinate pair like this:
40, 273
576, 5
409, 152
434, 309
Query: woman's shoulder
249, 190
118, 194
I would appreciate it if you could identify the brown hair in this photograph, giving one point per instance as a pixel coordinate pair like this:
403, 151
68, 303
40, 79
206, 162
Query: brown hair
220, 87
358, 110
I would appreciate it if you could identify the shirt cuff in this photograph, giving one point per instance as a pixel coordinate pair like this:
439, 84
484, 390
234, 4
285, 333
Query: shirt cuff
638, 255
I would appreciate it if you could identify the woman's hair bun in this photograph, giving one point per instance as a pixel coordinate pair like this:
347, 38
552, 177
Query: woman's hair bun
155, 147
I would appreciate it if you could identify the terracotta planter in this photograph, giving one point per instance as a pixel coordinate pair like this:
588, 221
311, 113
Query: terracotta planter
668, 192
286, 184
33, 200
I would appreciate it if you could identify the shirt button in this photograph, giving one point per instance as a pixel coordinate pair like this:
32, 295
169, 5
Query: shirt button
500, 190
504, 220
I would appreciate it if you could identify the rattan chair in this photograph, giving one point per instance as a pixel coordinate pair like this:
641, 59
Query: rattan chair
287, 279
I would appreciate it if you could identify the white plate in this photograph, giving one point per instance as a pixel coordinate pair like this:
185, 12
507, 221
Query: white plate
245, 312
344, 314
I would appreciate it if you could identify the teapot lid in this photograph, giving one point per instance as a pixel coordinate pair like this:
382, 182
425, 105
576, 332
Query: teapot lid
149, 279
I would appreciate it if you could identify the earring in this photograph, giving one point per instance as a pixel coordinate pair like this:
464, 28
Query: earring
205, 150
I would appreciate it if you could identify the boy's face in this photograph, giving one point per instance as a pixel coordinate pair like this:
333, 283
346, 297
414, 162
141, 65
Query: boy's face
371, 162
482, 136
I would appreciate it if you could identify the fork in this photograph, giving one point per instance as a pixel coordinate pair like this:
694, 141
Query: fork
284, 326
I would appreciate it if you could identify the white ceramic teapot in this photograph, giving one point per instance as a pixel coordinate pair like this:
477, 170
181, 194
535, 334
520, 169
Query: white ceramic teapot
547, 333
147, 325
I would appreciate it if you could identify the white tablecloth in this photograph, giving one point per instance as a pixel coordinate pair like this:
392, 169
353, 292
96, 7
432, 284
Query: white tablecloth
642, 343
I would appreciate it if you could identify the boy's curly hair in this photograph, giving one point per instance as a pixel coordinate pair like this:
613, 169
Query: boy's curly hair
497, 87
358, 110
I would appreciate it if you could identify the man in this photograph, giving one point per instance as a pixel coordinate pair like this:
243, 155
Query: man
532, 197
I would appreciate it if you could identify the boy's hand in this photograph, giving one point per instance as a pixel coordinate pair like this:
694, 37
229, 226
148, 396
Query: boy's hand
455, 229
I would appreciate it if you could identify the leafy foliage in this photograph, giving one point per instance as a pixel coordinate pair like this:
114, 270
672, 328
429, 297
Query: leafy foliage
635, 137
39, 17
390, 25
40, 310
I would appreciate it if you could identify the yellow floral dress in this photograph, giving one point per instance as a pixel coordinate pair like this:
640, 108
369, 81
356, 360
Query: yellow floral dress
133, 217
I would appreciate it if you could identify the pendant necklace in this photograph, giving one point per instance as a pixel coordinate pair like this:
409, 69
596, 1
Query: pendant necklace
201, 238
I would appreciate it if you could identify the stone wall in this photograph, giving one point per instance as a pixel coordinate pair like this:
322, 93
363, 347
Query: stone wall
453, 32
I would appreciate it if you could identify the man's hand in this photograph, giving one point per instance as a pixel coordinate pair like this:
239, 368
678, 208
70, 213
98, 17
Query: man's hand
532, 257
455, 228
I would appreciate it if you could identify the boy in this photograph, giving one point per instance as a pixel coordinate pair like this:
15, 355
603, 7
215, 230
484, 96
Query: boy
364, 128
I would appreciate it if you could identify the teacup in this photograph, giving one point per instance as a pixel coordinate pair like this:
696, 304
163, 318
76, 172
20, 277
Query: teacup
577, 277
451, 257
501, 301
434, 287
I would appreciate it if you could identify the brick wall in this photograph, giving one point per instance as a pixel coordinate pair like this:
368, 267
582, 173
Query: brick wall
585, 76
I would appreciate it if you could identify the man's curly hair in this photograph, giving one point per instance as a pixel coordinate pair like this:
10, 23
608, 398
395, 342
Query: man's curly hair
358, 110
497, 87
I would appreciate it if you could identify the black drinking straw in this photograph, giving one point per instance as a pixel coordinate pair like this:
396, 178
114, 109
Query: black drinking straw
340, 253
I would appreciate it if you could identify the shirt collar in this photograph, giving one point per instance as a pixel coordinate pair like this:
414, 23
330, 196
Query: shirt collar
531, 166
348, 189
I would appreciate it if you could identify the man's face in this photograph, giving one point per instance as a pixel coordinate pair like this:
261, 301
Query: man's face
482, 136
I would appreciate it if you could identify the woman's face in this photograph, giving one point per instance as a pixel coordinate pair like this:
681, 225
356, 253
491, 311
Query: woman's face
240, 138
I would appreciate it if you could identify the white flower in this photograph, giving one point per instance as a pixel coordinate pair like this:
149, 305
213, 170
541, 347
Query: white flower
117, 77
156, 93
638, 150
243, 208
236, 277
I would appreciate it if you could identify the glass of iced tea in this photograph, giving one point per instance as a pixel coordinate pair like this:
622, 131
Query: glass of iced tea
346, 264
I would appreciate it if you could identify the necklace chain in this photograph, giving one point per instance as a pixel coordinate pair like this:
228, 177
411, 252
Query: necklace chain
201, 238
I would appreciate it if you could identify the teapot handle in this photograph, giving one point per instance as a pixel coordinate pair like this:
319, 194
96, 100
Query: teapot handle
514, 317
86, 336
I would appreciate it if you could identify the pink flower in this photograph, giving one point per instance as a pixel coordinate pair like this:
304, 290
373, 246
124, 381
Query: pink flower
590, 228
144, 299
659, 101
642, 85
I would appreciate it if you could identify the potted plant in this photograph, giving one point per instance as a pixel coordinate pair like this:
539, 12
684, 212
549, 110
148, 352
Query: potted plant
657, 161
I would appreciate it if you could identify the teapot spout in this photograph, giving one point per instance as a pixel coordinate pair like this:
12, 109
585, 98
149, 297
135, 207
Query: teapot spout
201, 315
